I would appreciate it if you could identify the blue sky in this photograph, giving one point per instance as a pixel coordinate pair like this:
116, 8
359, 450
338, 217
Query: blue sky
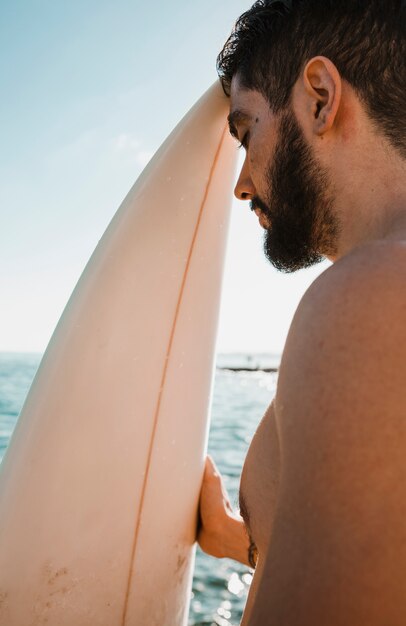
89, 92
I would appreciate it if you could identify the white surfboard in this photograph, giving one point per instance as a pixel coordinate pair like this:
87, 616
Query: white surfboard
99, 486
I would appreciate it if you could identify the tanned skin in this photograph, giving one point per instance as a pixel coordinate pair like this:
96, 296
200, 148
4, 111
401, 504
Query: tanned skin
324, 481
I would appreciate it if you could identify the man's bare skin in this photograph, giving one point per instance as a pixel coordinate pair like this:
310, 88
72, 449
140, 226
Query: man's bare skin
324, 482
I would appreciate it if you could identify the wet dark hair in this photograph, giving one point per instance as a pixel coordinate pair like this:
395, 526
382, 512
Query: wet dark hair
365, 39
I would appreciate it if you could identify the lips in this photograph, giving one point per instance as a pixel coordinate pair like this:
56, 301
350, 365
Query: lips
262, 219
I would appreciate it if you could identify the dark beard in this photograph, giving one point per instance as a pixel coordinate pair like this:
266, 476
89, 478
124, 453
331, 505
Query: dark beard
303, 228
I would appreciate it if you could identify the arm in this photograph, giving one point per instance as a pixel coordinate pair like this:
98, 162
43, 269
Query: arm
221, 532
338, 550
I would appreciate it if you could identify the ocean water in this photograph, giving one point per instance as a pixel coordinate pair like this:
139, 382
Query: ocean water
220, 586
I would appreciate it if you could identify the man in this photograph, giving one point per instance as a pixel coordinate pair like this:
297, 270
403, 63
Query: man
318, 100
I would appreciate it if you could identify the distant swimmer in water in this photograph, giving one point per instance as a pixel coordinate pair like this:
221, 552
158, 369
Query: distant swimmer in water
318, 101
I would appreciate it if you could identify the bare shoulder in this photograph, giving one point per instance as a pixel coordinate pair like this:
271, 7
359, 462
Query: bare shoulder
348, 338
364, 282
343, 372
339, 537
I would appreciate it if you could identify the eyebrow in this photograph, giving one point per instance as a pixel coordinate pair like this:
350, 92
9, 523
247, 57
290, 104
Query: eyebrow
236, 117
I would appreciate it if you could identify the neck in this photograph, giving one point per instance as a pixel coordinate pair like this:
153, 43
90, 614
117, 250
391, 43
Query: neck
371, 198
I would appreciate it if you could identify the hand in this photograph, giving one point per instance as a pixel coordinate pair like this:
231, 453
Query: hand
221, 532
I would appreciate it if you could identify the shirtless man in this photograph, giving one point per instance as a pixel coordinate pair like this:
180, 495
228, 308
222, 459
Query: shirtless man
318, 100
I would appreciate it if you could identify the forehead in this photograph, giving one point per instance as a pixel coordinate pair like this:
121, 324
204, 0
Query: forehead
246, 103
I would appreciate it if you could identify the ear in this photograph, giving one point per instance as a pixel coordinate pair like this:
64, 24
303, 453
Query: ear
322, 86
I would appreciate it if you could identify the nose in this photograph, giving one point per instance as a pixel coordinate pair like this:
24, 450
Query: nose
244, 189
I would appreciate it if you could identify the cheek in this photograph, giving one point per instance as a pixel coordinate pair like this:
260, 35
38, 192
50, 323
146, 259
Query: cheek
262, 146
259, 165
263, 150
